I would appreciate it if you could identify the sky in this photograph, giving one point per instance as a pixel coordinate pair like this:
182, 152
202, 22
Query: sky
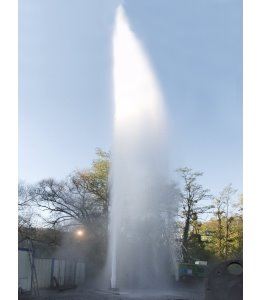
65, 83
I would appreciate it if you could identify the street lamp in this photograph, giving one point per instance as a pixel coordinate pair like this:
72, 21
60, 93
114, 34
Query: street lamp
79, 232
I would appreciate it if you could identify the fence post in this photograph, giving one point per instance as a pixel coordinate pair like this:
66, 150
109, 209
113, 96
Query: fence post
52, 271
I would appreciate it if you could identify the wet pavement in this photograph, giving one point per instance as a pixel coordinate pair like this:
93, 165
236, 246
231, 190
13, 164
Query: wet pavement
179, 293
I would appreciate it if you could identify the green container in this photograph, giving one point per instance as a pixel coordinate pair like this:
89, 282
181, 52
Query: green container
192, 270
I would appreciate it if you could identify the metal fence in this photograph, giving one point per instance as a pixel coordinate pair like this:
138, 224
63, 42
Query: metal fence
66, 272
24, 269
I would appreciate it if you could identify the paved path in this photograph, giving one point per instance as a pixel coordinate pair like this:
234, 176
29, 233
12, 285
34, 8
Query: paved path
88, 294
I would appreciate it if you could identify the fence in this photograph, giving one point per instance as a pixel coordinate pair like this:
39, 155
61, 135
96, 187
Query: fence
24, 269
66, 272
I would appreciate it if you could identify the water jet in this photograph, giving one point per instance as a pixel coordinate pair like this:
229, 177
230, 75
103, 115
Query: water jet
138, 254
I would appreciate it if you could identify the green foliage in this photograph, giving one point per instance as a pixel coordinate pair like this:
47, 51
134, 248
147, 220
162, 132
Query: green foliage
223, 234
95, 180
211, 237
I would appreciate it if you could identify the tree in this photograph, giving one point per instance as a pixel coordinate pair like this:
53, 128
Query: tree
169, 200
192, 194
81, 198
224, 219
25, 211
224, 232
95, 181
209, 232
23, 195
238, 228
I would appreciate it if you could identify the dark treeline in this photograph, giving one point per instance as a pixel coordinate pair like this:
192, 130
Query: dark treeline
51, 213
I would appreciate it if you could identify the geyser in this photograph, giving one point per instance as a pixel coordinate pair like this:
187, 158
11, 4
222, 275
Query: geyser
138, 252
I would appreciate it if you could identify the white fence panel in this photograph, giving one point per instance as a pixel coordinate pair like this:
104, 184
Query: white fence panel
59, 271
46, 269
80, 273
24, 270
43, 271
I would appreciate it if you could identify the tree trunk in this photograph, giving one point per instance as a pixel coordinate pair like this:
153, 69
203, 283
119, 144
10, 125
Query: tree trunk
186, 236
